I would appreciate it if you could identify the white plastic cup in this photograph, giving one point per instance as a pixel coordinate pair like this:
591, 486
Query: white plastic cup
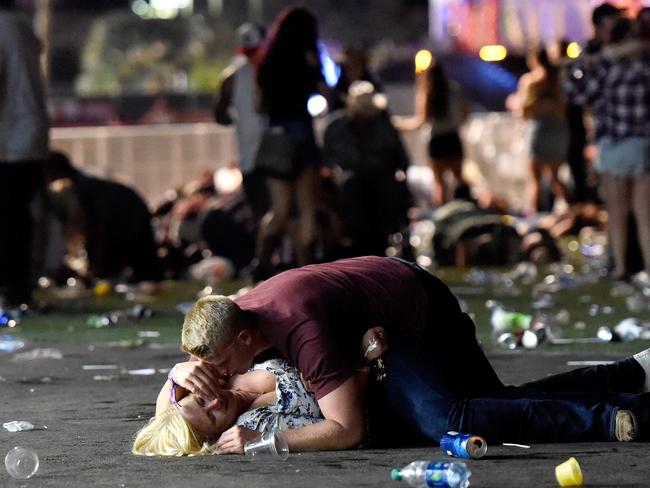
268, 445
21, 462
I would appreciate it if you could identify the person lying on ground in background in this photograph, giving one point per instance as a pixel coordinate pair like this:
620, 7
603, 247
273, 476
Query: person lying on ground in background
107, 219
315, 317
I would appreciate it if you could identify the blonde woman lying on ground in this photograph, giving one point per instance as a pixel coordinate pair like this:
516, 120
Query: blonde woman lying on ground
270, 397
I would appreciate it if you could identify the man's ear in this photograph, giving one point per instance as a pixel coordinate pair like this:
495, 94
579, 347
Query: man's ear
245, 337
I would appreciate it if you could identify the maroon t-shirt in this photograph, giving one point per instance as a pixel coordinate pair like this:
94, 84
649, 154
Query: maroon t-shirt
316, 315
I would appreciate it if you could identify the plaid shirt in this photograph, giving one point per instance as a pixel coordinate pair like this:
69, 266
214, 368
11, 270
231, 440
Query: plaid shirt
618, 91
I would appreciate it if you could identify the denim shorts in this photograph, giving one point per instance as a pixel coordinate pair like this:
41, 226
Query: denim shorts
626, 157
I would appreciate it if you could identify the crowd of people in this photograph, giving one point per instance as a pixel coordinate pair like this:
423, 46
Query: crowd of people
294, 353
344, 192
299, 353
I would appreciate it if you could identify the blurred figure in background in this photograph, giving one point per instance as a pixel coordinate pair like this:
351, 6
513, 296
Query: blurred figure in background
617, 84
603, 19
540, 101
207, 230
23, 148
575, 157
354, 67
366, 151
289, 71
107, 220
467, 234
440, 103
236, 104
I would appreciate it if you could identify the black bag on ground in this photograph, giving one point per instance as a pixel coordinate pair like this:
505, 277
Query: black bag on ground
276, 153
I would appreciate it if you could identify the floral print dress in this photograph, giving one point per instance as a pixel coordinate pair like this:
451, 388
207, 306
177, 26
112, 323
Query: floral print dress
296, 405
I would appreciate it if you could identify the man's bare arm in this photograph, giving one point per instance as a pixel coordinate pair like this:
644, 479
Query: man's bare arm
343, 427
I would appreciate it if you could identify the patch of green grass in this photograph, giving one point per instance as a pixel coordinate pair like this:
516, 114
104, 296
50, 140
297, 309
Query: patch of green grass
67, 321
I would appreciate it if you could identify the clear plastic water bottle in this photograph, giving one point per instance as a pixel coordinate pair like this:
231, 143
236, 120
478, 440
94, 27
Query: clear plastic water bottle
9, 343
503, 320
423, 474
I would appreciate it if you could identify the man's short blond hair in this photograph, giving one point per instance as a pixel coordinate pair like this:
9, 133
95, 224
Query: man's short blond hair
211, 325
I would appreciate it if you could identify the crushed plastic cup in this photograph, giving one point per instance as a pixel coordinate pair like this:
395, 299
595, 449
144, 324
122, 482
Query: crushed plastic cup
18, 426
102, 288
21, 462
569, 473
268, 445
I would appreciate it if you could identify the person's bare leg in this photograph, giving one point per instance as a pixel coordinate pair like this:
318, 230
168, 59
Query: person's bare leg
616, 193
534, 184
456, 168
438, 182
307, 195
641, 209
557, 187
274, 223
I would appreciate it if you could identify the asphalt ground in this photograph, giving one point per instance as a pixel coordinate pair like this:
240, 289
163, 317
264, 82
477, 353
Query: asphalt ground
92, 414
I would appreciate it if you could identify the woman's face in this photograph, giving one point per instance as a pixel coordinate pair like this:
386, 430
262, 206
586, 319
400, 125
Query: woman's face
209, 416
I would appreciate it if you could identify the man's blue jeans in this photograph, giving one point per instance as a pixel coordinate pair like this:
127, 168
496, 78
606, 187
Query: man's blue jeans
439, 380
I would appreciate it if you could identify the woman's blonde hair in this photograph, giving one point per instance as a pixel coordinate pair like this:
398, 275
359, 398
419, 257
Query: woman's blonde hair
169, 434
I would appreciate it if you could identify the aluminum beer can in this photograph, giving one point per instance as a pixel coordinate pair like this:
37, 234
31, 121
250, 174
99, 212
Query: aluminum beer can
465, 446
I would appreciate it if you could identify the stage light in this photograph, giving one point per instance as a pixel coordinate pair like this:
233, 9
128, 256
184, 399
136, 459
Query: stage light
573, 50
493, 53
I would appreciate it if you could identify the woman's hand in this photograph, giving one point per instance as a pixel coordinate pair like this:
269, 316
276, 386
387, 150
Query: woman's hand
373, 343
233, 440
197, 377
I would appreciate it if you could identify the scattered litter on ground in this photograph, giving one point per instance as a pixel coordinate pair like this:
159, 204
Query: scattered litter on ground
148, 333
9, 343
141, 372
22, 426
21, 462
569, 473
588, 363
38, 353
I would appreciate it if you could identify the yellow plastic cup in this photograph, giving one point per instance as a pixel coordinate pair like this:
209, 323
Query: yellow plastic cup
568, 473
102, 288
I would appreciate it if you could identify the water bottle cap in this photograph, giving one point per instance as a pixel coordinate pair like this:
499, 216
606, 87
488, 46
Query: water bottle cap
396, 474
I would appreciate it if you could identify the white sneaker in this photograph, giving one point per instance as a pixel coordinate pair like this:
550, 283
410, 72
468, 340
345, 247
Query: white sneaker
626, 427
643, 358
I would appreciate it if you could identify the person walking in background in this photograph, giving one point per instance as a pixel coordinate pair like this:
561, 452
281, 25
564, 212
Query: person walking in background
289, 71
617, 84
237, 94
23, 147
439, 102
540, 101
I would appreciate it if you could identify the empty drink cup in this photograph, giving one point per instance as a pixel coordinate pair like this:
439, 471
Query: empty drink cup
268, 445
568, 473
21, 462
